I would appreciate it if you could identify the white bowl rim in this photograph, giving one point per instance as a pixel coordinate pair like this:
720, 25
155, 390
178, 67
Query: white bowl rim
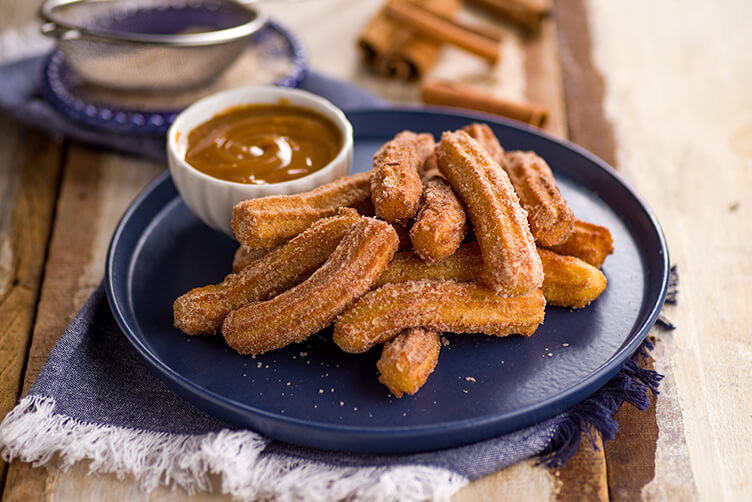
342, 124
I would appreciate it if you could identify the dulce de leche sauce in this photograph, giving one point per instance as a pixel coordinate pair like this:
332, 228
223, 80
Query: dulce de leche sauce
260, 144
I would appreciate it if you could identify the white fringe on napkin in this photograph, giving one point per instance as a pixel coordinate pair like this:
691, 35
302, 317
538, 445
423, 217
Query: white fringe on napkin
33, 433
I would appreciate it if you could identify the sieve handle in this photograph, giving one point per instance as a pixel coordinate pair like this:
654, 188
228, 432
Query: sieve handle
54, 30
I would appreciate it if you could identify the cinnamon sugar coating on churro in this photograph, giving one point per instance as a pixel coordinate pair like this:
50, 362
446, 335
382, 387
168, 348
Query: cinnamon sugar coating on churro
430, 168
440, 224
395, 182
202, 310
465, 265
408, 359
551, 220
269, 221
589, 242
570, 282
511, 263
294, 315
244, 256
459, 307
487, 139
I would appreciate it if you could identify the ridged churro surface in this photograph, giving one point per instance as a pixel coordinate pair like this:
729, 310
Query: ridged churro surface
464, 265
408, 359
589, 242
551, 220
395, 180
570, 282
270, 221
459, 307
487, 139
511, 263
440, 224
244, 256
202, 310
353, 267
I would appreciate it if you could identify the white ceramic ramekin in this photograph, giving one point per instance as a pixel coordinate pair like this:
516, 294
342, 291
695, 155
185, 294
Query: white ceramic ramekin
212, 199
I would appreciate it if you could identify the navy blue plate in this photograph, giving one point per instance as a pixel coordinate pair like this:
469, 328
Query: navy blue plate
313, 394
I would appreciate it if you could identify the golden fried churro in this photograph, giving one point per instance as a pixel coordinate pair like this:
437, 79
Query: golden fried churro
294, 315
459, 307
487, 139
408, 359
244, 256
395, 182
551, 219
440, 224
465, 265
589, 242
269, 221
430, 168
570, 282
202, 310
512, 265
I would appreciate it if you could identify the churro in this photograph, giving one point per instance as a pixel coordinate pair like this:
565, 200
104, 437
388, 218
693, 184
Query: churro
244, 256
202, 310
512, 265
440, 224
570, 282
487, 139
588, 242
551, 220
408, 359
294, 315
465, 265
459, 307
269, 221
430, 168
395, 182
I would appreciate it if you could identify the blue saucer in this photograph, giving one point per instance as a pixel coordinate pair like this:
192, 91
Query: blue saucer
312, 394
104, 110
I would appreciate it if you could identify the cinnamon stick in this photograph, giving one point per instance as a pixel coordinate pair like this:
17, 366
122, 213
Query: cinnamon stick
443, 29
527, 13
446, 93
391, 49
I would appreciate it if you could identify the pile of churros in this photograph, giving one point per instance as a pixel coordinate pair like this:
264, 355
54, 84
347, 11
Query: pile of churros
458, 236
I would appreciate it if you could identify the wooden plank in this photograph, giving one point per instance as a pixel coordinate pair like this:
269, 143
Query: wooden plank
521, 481
678, 106
96, 188
29, 171
543, 75
24, 233
583, 84
584, 476
631, 457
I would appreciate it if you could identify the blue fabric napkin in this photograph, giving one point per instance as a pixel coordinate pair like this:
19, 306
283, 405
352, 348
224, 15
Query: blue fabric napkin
21, 97
96, 400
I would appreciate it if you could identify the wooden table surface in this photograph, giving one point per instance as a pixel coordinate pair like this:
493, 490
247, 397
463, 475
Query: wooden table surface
659, 89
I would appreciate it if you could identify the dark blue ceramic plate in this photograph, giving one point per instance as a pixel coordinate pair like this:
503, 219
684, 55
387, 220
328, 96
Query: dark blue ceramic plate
313, 394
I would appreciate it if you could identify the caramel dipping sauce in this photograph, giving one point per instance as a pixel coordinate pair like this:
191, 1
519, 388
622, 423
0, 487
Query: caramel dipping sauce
262, 144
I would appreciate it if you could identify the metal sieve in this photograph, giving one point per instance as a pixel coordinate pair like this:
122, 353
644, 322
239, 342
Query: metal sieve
149, 44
